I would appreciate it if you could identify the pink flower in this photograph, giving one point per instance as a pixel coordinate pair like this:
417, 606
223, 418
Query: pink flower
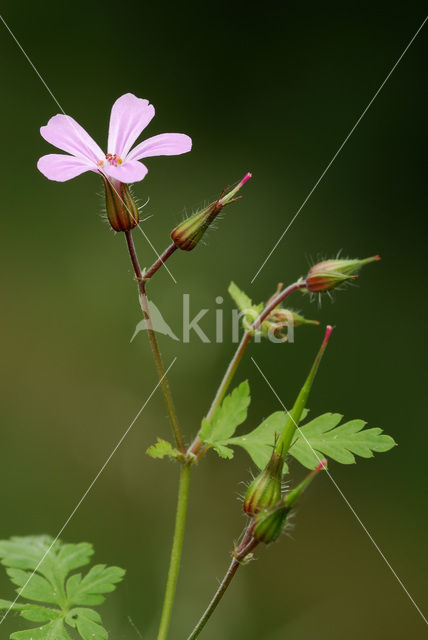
129, 116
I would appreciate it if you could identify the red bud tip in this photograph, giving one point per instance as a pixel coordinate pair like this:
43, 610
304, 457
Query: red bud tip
328, 332
322, 465
245, 179
376, 258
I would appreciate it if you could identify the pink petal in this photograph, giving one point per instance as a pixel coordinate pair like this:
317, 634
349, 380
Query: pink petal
66, 134
129, 171
59, 167
165, 144
129, 116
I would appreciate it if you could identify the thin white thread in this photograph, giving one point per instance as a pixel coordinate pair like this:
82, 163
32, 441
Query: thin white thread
378, 549
87, 492
341, 147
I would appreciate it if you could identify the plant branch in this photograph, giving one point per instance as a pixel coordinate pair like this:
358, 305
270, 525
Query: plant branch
144, 302
247, 545
177, 546
274, 301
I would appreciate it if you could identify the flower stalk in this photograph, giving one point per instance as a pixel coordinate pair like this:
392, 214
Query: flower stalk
196, 448
141, 280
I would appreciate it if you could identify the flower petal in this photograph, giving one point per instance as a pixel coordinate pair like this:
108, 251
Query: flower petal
129, 116
165, 144
66, 134
59, 167
129, 171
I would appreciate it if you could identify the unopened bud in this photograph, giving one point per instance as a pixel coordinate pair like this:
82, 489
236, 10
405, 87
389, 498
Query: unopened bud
121, 209
265, 489
269, 524
331, 273
187, 235
280, 318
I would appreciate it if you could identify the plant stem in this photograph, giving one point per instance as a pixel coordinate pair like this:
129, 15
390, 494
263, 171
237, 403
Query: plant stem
246, 546
274, 301
144, 302
177, 545
160, 261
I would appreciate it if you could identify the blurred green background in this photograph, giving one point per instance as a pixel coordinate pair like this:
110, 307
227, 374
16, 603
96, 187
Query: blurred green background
273, 89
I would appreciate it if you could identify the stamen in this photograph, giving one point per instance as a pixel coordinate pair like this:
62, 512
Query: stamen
113, 159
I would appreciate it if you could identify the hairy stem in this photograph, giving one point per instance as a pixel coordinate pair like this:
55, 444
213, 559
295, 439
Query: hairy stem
246, 546
197, 444
177, 546
144, 302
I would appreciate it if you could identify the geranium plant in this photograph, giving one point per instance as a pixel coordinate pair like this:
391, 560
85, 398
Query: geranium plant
41, 567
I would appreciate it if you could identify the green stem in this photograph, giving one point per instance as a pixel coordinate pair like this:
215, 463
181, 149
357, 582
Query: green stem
177, 545
144, 302
273, 302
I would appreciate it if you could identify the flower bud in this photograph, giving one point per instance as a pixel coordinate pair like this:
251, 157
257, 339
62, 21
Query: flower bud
187, 235
265, 489
122, 211
280, 318
269, 524
331, 273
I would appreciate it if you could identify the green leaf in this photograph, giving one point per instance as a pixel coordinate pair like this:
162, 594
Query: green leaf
249, 310
86, 621
26, 553
55, 630
259, 443
39, 567
227, 417
322, 437
163, 448
224, 452
35, 613
33, 587
242, 301
89, 589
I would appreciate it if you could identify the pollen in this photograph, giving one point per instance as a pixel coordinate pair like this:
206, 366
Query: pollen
113, 159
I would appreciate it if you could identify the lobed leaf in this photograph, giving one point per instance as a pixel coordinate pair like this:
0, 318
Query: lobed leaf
88, 590
227, 417
86, 621
39, 567
322, 437
163, 448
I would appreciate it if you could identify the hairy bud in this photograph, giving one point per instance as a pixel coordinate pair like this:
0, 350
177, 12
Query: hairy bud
331, 273
121, 209
265, 490
187, 235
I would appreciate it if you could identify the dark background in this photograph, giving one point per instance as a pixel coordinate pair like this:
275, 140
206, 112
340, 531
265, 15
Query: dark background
273, 88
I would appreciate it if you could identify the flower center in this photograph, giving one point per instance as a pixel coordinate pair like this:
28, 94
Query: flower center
113, 160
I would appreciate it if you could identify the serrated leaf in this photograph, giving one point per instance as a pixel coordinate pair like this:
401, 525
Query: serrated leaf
322, 437
163, 448
89, 589
33, 586
45, 583
231, 413
259, 442
86, 621
35, 613
55, 630
249, 310
242, 301
27, 552
73, 556
224, 452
